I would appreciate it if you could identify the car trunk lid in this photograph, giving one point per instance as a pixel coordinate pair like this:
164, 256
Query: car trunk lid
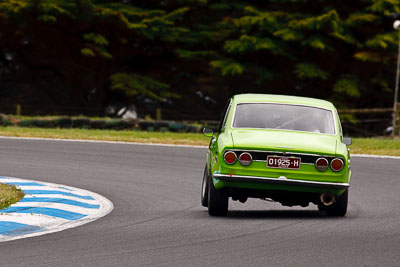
285, 141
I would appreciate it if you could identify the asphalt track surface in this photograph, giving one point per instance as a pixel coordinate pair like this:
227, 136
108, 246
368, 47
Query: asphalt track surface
158, 220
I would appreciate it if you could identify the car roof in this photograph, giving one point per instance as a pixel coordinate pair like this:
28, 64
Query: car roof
285, 99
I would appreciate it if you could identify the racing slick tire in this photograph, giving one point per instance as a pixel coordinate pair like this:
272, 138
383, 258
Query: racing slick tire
217, 200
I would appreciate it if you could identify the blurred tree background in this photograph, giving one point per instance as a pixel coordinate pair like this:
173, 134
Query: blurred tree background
189, 56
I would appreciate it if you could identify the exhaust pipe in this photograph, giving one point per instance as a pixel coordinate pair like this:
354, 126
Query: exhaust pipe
327, 198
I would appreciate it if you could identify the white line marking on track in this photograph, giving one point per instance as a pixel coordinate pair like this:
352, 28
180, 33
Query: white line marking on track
58, 189
37, 220
374, 156
86, 201
100, 141
59, 206
158, 144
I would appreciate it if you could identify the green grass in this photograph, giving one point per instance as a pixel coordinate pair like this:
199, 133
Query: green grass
9, 194
108, 135
377, 146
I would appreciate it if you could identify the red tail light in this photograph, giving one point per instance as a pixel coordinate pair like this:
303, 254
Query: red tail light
337, 165
321, 164
230, 157
245, 159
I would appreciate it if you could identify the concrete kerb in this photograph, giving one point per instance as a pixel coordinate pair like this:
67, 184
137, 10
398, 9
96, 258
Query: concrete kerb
48, 208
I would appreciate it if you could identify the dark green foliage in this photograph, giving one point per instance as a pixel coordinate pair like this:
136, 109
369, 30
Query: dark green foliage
177, 127
134, 84
63, 122
146, 125
116, 124
109, 124
44, 123
164, 129
4, 121
160, 124
84, 53
334, 50
98, 124
81, 123
70, 52
27, 123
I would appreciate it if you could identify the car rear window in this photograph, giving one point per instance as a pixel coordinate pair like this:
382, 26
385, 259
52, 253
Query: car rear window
284, 116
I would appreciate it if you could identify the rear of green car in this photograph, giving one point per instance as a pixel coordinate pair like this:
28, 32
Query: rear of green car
288, 149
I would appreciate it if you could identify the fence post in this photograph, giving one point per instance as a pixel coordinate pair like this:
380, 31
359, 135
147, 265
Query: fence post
158, 114
396, 126
18, 111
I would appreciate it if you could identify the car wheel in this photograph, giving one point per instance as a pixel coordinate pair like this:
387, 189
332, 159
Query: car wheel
217, 200
339, 208
204, 189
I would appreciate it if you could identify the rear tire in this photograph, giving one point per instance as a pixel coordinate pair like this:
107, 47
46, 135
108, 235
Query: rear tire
204, 189
339, 208
217, 200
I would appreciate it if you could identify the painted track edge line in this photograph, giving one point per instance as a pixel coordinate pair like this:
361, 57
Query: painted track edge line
106, 204
158, 144
374, 156
99, 141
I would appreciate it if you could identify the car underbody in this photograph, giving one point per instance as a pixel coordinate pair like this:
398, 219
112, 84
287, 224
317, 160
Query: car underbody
286, 198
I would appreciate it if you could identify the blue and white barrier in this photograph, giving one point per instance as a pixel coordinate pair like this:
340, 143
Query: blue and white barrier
48, 208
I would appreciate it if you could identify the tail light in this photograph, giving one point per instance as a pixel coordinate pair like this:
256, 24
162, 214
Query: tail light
337, 164
321, 164
245, 159
230, 157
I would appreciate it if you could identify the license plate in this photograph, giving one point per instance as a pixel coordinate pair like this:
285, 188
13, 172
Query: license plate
283, 162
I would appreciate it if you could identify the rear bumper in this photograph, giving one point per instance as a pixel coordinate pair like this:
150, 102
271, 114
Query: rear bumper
281, 181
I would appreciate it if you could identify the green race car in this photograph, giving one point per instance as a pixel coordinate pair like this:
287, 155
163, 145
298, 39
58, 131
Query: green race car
282, 148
